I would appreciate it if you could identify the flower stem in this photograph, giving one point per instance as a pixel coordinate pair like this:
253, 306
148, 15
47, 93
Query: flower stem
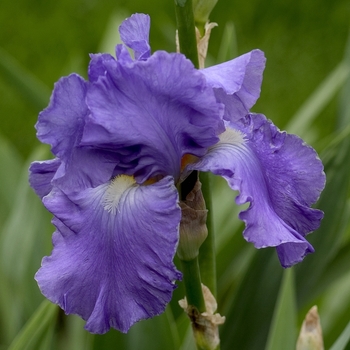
188, 46
207, 258
190, 268
193, 286
186, 30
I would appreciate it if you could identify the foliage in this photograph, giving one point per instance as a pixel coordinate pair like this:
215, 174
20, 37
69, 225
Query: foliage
264, 305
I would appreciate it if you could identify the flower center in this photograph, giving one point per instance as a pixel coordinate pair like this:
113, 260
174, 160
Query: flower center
232, 137
115, 190
187, 159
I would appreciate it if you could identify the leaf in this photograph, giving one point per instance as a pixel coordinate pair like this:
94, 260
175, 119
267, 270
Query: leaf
343, 339
22, 246
228, 46
35, 328
329, 238
303, 118
157, 333
250, 312
283, 326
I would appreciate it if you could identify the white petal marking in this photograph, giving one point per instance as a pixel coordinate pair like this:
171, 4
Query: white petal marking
232, 137
115, 190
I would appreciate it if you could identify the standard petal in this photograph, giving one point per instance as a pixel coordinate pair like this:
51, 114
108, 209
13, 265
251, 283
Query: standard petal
61, 123
279, 175
97, 65
134, 32
237, 83
134, 109
41, 174
113, 251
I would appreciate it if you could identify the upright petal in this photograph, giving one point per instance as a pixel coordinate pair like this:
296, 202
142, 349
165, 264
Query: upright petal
279, 175
61, 123
97, 66
113, 251
237, 83
134, 109
134, 32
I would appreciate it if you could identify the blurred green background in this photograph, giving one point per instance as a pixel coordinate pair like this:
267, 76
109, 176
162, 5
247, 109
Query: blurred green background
304, 42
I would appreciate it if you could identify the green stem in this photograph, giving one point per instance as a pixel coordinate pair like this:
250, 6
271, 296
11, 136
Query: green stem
186, 30
188, 46
191, 272
193, 286
207, 258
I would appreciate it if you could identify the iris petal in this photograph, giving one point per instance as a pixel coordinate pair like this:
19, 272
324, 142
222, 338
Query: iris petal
61, 123
41, 174
269, 170
237, 83
134, 32
134, 107
113, 268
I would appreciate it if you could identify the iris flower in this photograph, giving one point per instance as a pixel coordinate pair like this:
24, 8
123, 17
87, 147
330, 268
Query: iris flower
123, 140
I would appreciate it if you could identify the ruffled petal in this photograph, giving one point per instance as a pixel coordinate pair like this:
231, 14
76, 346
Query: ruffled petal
293, 171
134, 32
106, 266
41, 174
279, 175
85, 168
149, 122
97, 67
61, 123
237, 83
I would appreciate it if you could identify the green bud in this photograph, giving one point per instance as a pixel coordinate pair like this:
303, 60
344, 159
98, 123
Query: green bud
202, 10
193, 228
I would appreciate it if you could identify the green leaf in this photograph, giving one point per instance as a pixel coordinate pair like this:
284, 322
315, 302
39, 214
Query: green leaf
35, 328
228, 47
343, 339
22, 245
75, 336
303, 118
157, 333
283, 326
249, 314
329, 238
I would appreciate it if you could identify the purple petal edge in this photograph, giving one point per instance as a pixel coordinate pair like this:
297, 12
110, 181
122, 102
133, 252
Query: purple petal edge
109, 268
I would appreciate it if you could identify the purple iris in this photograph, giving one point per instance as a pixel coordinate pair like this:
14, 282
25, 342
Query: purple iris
121, 140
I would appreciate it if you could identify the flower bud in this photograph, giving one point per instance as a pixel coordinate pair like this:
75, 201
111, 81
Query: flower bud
310, 337
193, 228
205, 324
202, 9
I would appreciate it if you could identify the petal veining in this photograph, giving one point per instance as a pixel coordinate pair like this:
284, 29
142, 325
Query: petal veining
113, 268
237, 83
263, 169
134, 32
133, 107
